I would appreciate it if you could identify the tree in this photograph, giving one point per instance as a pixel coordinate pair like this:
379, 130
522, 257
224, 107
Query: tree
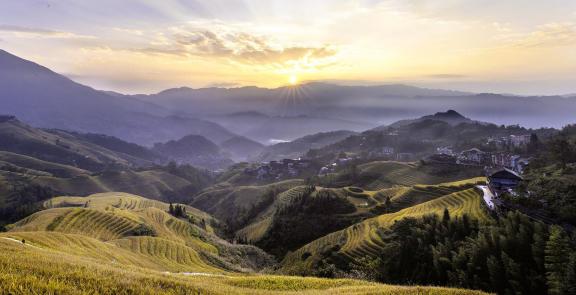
446, 216
534, 144
570, 283
171, 209
561, 151
556, 260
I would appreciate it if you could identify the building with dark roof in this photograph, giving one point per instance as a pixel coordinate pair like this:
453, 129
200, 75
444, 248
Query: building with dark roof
503, 179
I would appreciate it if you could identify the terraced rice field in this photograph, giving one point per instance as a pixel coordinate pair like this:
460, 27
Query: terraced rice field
116, 200
382, 174
46, 271
171, 243
169, 254
422, 193
362, 239
93, 223
261, 223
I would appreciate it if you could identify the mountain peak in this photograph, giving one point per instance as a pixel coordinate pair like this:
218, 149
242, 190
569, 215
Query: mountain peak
452, 114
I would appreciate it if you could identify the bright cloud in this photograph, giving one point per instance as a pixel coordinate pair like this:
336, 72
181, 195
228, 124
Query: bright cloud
147, 45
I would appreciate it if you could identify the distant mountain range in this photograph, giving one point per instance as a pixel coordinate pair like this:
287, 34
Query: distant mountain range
357, 108
42, 98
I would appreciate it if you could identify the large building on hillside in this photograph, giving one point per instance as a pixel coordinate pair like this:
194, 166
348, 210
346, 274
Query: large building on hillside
502, 180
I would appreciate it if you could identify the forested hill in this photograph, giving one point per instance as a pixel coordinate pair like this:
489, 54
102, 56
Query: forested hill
551, 179
422, 136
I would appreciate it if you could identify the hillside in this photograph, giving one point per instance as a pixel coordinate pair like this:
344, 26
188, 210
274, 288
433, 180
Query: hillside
132, 223
241, 148
298, 147
42, 98
451, 117
196, 150
67, 148
282, 216
421, 137
107, 235
361, 240
45, 270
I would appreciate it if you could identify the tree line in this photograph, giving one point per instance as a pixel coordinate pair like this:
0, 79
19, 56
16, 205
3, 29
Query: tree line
512, 255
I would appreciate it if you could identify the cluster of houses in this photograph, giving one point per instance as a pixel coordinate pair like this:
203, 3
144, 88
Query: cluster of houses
509, 141
331, 168
275, 170
475, 156
391, 154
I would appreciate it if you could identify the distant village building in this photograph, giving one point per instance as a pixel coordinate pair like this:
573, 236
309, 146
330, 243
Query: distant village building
444, 151
278, 169
502, 180
519, 140
474, 156
509, 141
387, 150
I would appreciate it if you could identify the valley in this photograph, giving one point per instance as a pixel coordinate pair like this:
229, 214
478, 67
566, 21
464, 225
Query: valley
212, 191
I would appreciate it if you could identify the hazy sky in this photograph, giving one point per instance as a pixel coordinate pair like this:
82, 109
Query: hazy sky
514, 46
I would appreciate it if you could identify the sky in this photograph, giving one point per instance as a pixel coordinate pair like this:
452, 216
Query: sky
145, 46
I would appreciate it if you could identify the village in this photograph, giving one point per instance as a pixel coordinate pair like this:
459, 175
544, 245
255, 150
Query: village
287, 168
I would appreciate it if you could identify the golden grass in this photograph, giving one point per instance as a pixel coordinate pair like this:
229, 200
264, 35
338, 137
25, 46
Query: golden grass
30, 270
386, 174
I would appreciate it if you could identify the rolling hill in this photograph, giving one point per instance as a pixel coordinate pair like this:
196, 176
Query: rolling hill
421, 137
42, 98
283, 216
80, 245
361, 239
45, 270
196, 150
142, 226
241, 148
69, 149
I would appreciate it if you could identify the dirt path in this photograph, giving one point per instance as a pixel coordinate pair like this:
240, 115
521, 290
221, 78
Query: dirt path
20, 242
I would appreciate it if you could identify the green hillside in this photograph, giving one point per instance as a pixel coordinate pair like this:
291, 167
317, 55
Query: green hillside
238, 205
62, 147
361, 239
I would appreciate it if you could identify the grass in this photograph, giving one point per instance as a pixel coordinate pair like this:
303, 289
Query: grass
150, 183
40, 165
385, 174
117, 200
114, 219
35, 270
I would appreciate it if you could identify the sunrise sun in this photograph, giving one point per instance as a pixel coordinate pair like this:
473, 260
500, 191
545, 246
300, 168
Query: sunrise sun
293, 80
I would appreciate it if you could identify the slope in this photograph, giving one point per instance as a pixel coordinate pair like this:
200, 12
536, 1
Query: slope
362, 239
142, 227
43, 269
298, 147
42, 98
61, 147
